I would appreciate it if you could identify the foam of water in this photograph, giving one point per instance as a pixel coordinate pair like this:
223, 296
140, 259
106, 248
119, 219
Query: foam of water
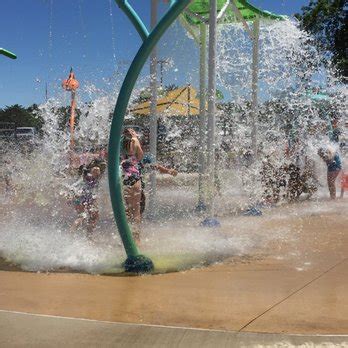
38, 245
48, 247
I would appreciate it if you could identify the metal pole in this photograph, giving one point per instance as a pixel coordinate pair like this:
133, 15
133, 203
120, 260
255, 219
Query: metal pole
153, 113
202, 112
72, 119
211, 102
254, 84
135, 262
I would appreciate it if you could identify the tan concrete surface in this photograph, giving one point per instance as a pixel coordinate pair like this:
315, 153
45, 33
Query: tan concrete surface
320, 306
23, 330
205, 299
222, 299
299, 285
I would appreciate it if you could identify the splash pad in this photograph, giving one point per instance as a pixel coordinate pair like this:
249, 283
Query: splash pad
280, 271
239, 184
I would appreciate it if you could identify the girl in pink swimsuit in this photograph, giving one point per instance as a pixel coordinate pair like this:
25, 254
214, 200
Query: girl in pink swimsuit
131, 155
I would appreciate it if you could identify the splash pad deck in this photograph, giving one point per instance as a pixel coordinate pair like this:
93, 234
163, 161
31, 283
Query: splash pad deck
297, 286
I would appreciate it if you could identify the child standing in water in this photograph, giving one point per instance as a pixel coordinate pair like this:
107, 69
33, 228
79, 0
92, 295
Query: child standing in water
85, 200
131, 155
132, 164
334, 167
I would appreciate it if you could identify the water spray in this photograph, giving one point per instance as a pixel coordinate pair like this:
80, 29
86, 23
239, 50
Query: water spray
199, 15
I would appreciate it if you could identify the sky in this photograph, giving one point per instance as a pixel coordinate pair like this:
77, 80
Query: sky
92, 36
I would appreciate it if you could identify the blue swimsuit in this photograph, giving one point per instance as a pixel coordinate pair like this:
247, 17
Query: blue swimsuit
335, 164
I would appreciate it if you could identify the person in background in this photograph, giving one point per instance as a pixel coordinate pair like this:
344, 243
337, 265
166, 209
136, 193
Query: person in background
344, 183
334, 167
272, 179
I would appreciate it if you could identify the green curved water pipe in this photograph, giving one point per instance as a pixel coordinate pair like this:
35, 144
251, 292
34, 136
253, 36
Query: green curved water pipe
7, 53
135, 262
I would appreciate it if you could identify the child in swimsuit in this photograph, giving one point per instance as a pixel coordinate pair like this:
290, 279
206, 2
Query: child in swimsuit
132, 165
334, 167
85, 199
131, 155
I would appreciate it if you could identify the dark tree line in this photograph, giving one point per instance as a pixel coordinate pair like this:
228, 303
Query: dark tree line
31, 116
21, 116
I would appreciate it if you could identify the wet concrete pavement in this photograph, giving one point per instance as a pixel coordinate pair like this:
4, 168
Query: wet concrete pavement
298, 286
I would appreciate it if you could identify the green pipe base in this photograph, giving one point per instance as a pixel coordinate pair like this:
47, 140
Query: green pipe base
138, 264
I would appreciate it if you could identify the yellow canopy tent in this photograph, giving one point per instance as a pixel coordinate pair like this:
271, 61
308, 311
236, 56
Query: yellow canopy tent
178, 102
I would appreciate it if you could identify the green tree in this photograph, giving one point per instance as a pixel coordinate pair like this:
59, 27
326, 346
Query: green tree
327, 21
21, 116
